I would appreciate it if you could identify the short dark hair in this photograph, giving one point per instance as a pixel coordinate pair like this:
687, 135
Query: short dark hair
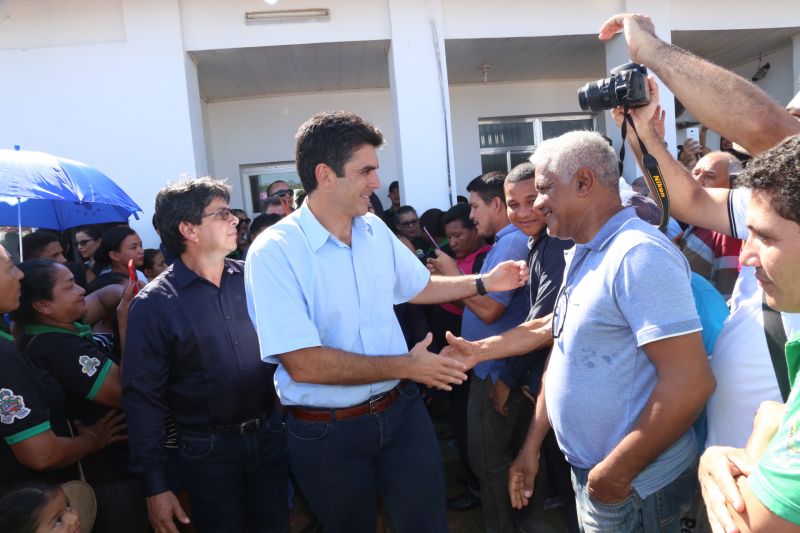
402, 210
432, 221
776, 173
185, 201
34, 243
394, 185
489, 186
37, 285
522, 172
331, 138
262, 222
459, 212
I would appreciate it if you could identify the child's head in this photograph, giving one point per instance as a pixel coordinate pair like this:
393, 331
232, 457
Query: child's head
38, 509
154, 263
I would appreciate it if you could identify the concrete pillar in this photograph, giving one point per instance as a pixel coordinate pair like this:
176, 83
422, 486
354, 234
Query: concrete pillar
418, 80
796, 63
616, 54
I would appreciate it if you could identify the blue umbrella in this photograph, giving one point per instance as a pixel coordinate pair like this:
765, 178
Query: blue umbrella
43, 191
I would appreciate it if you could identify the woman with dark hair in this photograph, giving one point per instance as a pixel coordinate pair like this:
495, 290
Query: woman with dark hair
87, 241
38, 444
119, 245
50, 312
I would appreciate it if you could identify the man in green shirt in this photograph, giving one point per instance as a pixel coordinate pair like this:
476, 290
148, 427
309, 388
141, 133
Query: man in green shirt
760, 485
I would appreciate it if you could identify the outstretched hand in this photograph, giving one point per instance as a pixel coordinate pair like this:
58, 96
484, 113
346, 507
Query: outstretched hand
434, 370
506, 276
462, 350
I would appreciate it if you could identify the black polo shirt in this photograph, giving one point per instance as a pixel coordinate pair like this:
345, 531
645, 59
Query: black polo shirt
31, 403
191, 349
81, 366
546, 263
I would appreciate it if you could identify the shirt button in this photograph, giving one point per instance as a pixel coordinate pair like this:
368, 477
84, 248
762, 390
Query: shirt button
227, 317
236, 343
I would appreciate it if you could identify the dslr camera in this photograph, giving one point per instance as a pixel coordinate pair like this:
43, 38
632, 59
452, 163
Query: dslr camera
627, 84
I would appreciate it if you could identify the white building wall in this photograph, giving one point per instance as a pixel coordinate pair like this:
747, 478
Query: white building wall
262, 130
121, 107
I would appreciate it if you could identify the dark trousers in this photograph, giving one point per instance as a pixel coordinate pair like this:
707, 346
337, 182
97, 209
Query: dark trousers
236, 482
342, 467
494, 441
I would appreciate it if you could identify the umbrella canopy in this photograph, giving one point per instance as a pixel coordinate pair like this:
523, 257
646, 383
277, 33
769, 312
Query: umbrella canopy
43, 191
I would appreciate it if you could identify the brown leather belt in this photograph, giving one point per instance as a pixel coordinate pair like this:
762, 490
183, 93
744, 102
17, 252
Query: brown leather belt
374, 406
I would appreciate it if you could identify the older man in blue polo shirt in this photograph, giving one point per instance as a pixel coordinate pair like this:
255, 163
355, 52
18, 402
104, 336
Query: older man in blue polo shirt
320, 287
628, 373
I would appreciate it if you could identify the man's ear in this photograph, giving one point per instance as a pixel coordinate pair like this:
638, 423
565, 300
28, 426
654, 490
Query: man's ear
187, 230
325, 175
498, 205
584, 181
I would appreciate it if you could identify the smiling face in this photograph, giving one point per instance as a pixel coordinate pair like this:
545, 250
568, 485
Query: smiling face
10, 276
67, 304
350, 193
520, 200
555, 201
773, 248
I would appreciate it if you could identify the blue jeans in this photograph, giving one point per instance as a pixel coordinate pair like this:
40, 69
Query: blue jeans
659, 512
236, 482
342, 466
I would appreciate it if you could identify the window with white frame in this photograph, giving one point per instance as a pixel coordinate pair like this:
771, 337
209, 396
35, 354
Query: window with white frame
508, 141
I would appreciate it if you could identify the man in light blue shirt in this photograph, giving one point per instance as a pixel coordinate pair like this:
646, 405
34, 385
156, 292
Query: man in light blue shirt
320, 288
628, 373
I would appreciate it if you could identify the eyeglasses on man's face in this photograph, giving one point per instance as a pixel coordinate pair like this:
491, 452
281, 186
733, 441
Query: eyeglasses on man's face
283, 193
409, 223
221, 214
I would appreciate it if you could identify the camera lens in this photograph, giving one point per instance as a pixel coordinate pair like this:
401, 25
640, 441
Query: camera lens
598, 95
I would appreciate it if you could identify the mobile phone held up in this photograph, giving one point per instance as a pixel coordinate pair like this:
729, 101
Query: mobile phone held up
133, 277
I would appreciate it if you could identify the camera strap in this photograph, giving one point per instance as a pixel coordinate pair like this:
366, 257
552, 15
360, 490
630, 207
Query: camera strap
651, 170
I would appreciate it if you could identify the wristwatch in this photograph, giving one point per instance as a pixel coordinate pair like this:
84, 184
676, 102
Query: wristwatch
479, 285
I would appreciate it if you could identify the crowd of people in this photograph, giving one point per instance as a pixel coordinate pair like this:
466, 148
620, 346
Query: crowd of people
640, 376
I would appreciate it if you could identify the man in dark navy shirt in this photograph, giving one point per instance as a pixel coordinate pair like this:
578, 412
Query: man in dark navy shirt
192, 351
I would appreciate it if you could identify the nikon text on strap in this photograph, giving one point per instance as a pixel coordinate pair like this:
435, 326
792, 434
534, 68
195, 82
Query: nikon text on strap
651, 170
